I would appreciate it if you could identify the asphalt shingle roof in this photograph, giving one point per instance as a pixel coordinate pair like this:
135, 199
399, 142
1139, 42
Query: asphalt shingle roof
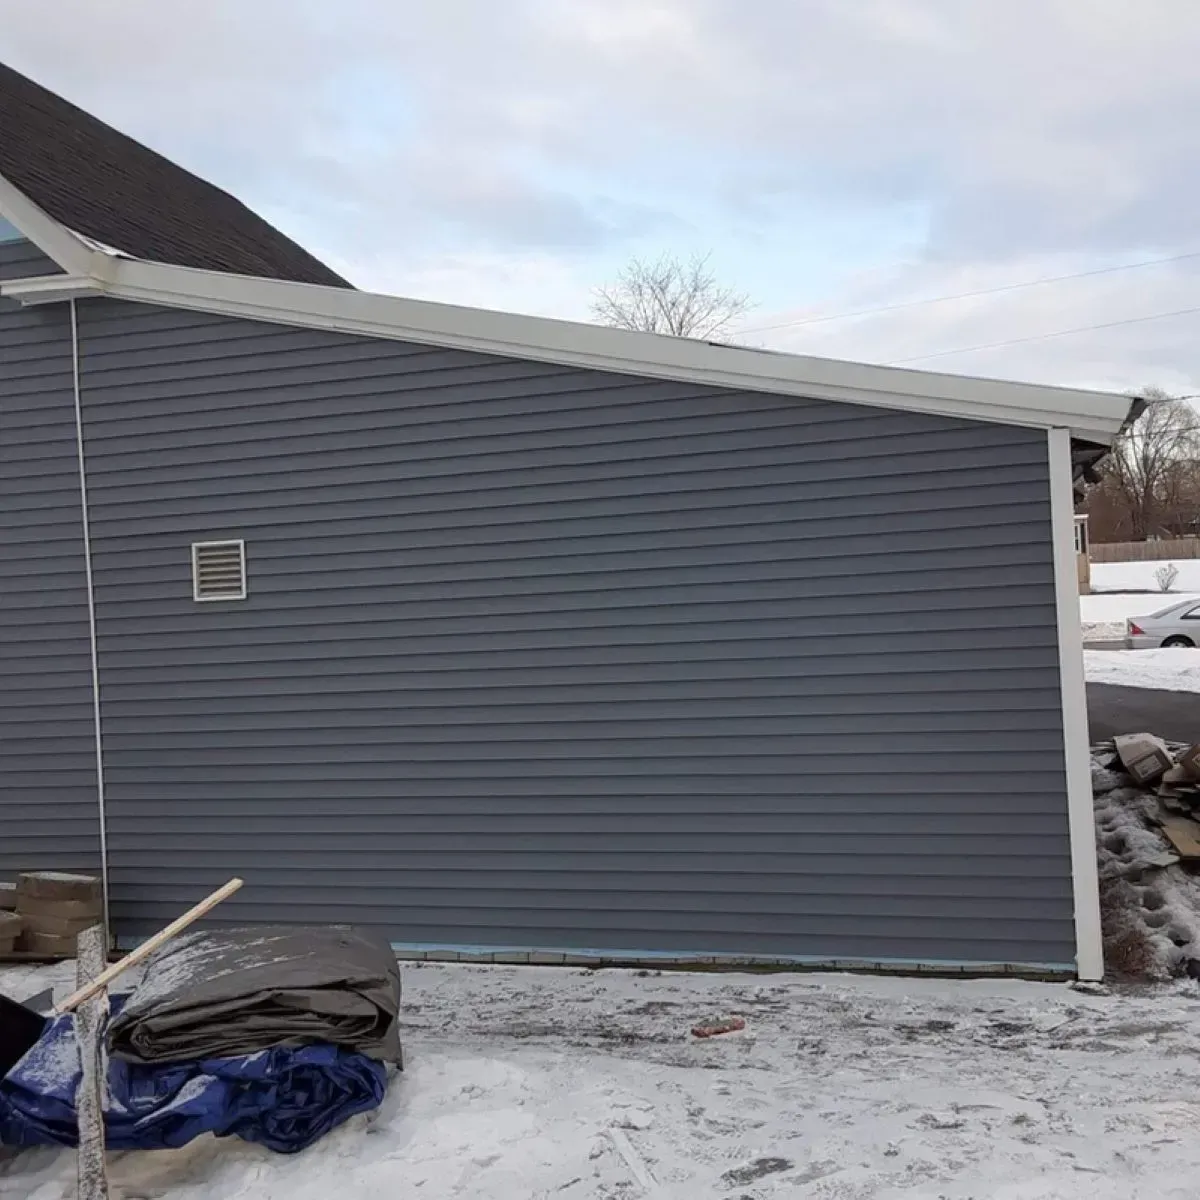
98, 182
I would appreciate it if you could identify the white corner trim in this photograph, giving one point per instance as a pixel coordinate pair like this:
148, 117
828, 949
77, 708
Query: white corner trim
1094, 415
66, 247
1089, 944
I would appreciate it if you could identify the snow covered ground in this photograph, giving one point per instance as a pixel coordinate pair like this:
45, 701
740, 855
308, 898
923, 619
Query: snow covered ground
555, 1083
1176, 669
1139, 576
1137, 594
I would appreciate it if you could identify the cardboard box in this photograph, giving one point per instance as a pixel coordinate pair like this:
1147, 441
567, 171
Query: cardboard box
10, 926
8, 896
1189, 760
1144, 756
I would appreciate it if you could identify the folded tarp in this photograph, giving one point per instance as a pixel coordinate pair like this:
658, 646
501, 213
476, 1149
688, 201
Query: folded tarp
284, 1098
223, 993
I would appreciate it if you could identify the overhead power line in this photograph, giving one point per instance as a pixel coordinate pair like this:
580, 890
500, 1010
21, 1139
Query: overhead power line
1008, 287
1042, 337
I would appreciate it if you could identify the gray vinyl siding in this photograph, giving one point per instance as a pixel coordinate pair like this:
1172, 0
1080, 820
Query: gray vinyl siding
48, 800
23, 260
547, 658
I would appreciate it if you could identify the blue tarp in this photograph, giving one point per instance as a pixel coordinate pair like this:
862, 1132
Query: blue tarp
286, 1097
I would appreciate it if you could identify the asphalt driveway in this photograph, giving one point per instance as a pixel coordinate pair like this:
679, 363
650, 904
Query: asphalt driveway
1172, 715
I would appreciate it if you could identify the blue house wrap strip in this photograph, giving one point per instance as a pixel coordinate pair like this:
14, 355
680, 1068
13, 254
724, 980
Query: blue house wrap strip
285, 1098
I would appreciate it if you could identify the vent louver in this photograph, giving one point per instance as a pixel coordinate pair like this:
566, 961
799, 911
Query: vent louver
219, 570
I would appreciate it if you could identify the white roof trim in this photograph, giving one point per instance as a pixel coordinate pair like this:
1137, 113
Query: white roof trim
1094, 415
71, 251
50, 289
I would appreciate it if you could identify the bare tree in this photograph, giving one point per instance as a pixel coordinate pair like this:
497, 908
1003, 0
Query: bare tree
1151, 462
670, 296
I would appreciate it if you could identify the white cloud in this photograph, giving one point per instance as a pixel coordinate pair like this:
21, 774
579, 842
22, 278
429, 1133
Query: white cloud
518, 151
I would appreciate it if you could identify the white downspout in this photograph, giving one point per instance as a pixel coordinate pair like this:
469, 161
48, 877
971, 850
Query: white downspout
91, 611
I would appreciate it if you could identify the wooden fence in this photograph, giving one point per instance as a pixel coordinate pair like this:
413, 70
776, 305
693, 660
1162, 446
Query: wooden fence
1107, 552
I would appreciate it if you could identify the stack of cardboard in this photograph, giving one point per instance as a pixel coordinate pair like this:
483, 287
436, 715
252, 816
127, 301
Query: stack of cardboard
54, 908
1179, 787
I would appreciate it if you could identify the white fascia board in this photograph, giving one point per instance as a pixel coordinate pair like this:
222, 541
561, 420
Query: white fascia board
54, 239
1096, 416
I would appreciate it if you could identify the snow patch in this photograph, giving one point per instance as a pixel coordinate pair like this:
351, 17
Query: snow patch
558, 1084
1140, 576
1176, 669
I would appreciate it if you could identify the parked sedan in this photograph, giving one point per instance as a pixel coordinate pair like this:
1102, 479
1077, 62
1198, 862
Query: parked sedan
1178, 625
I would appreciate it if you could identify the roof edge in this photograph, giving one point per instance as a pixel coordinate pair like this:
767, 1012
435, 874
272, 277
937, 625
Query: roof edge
1095, 415
71, 251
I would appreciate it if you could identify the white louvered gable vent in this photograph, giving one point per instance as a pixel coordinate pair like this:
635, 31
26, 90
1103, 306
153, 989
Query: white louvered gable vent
219, 570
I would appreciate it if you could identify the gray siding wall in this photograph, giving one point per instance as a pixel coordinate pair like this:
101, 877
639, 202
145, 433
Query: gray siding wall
541, 657
23, 260
49, 816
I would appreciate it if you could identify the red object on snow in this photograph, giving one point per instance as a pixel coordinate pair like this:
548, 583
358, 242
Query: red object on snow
709, 1029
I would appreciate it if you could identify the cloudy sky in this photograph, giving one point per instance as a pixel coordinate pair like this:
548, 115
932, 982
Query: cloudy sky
833, 155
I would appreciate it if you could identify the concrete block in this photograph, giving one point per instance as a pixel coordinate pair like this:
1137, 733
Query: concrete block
58, 885
63, 910
56, 926
47, 945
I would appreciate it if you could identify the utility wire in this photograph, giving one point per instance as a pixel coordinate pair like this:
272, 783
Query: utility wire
1042, 337
1008, 287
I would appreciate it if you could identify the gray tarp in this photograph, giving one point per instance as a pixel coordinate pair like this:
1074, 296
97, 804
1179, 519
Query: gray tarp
219, 993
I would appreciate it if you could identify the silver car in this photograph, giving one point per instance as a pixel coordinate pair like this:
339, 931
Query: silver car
1178, 625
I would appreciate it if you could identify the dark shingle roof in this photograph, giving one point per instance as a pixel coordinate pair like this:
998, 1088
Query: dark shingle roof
99, 182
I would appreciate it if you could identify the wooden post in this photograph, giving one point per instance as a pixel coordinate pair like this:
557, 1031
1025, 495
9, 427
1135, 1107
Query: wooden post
90, 1019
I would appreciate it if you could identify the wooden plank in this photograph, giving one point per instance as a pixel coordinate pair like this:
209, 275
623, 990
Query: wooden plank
90, 1019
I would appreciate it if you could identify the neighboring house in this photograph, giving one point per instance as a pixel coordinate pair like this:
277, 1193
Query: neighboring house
519, 635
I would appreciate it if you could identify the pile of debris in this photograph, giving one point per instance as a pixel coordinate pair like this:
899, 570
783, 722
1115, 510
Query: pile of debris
1146, 795
1174, 774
